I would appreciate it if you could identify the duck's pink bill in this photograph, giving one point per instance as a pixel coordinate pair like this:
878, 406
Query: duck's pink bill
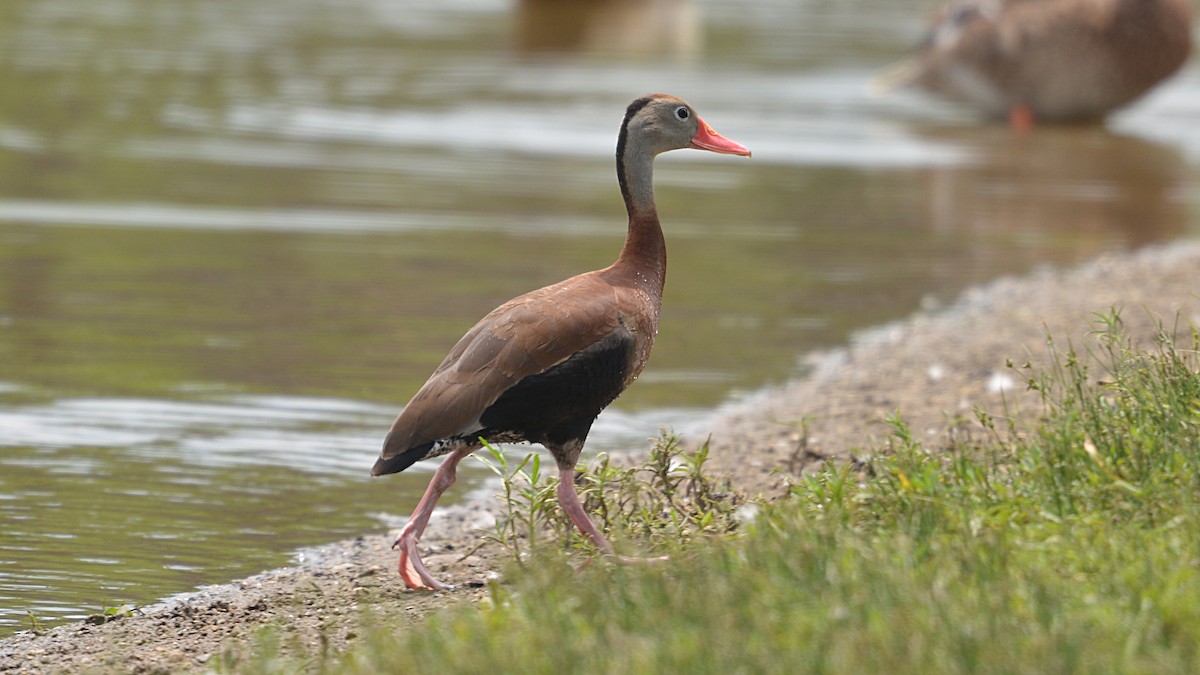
707, 139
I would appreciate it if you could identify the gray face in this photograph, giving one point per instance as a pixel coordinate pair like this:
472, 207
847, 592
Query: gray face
666, 123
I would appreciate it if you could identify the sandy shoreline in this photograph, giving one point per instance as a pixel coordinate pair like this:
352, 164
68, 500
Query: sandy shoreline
935, 367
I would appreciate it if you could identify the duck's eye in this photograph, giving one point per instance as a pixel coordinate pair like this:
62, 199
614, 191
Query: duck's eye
682, 113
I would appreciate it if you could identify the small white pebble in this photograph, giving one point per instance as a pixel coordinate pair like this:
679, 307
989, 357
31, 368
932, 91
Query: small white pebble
747, 513
999, 383
935, 372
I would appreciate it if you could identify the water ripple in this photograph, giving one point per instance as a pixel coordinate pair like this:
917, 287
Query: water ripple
314, 435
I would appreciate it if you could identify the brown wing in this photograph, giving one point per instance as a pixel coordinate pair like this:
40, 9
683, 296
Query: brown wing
523, 337
1066, 59
979, 50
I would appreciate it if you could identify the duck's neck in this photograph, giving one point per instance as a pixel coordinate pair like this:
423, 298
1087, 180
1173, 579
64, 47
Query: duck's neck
644, 257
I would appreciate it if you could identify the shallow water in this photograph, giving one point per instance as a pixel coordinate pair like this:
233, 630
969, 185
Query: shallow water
236, 236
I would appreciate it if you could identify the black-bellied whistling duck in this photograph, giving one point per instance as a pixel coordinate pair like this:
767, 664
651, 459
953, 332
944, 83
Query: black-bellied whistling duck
542, 366
1049, 60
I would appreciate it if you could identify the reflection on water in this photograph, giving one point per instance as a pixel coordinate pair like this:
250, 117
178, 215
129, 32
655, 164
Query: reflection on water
1061, 180
236, 236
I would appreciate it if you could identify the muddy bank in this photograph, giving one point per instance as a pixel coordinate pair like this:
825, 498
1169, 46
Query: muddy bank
937, 367
934, 368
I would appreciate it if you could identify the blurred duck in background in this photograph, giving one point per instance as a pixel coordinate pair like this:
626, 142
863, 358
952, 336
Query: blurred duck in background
627, 29
1051, 61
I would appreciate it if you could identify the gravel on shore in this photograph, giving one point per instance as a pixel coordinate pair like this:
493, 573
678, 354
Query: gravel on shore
934, 368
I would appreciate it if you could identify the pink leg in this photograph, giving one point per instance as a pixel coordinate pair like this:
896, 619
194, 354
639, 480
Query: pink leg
412, 570
570, 504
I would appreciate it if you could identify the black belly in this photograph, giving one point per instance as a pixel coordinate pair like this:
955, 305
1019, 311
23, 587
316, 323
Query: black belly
560, 404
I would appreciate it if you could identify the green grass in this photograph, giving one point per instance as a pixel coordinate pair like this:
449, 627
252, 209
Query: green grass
1071, 545
664, 503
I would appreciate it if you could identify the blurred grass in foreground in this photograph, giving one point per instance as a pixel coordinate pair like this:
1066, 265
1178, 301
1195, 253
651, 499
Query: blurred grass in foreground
1068, 545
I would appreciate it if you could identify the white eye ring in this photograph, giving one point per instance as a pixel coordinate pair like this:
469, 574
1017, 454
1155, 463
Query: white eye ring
682, 112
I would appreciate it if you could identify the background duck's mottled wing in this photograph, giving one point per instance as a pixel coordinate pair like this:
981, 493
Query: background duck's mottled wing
1060, 59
